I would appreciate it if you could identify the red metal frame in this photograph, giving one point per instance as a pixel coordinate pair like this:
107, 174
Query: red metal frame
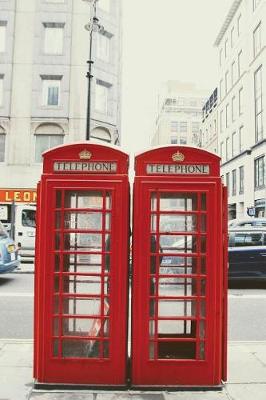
187, 368
72, 345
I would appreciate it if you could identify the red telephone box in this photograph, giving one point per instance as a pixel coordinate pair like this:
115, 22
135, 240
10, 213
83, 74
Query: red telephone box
179, 269
81, 286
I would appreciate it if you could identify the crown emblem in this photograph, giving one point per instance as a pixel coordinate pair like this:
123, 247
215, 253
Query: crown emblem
178, 156
85, 155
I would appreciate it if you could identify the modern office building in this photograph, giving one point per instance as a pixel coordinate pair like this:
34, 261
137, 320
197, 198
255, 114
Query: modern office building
179, 114
240, 138
44, 48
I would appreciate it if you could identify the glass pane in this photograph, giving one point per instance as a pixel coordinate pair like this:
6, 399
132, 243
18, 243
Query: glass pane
57, 262
177, 308
106, 349
151, 350
152, 328
177, 350
178, 202
202, 329
81, 326
153, 202
108, 201
83, 220
178, 223
180, 286
178, 244
153, 223
203, 223
56, 348
81, 306
56, 326
84, 199
202, 351
84, 263
58, 198
82, 241
173, 327
183, 265
82, 284
203, 201
80, 348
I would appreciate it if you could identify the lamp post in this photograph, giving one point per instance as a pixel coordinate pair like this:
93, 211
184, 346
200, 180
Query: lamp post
92, 26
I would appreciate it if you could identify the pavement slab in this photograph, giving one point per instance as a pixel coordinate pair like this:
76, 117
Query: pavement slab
246, 391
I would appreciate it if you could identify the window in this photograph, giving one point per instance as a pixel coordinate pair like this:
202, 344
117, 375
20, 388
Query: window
174, 126
221, 121
173, 140
195, 127
53, 38
246, 239
259, 172
240, 101
183, 140
104, 5
51, 90
227, 181
234, 144
221, 89
227, 115
227, 144
45, 142
233, 108
233, 72
256, 3
239, 63
241, 130
221, 56
101, 96
226, 48
234, 182
241, 179
222, 150
3, 25
258, 104
2, 146
239, 25
55, 1
226, 82
257, 40
183, 127
103, 46
1, 89
232, 36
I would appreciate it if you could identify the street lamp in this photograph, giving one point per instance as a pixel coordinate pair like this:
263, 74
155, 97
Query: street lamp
92, 26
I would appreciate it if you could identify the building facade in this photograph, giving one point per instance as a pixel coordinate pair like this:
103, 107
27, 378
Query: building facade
179, 114
240, 113
44, 49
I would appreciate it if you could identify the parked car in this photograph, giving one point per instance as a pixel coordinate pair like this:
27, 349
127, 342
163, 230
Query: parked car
247, 222
247, 253
9, 258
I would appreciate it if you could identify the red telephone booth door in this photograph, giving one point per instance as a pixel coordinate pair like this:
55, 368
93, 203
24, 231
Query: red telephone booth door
177, 282
82, 283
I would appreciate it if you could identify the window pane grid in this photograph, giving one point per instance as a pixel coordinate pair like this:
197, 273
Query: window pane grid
82, 299
177, 297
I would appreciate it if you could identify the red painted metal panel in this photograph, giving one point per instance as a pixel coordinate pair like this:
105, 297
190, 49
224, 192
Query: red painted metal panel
173, 270
225, 283
81, 286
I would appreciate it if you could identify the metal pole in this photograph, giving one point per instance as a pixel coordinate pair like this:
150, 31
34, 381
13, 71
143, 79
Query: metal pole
89, 76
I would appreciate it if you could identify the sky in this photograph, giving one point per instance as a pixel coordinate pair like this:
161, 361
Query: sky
164, 40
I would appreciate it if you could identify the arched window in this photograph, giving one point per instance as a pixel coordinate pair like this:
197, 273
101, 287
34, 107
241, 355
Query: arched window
101, 134
2, 144
46, 137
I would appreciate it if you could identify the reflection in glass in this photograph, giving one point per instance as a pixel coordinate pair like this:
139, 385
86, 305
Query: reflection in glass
178, 243
173, 327
203, 223
151, 350
82, 284
153, 202
178, 223
80, 348
83, 220
84, 263
178, 202
82, 241
106, 349
152, 308
107, 221
153, 223
56, 327
81, 326
84, 199
202, 329
152, 328
108, 200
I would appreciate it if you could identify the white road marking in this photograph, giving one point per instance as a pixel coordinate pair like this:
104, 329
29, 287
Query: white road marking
247, 296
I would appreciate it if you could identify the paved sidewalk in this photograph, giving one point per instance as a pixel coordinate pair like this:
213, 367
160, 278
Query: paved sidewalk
247, 377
